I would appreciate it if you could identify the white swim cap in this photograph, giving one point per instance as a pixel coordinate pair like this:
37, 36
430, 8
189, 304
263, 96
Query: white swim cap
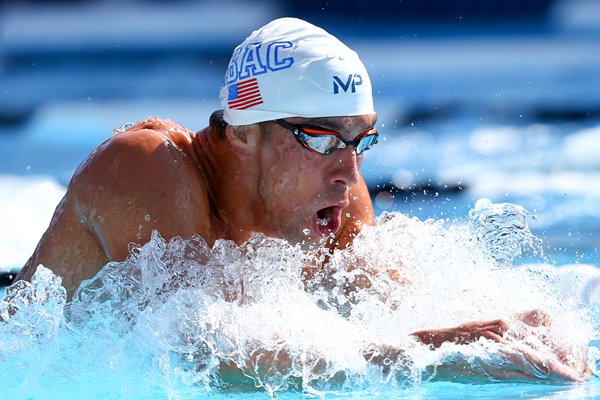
290, 68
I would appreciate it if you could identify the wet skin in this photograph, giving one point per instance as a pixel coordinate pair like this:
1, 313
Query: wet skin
223, 183
160, 176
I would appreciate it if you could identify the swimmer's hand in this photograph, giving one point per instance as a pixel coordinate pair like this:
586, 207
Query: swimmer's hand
526, 362
465, 333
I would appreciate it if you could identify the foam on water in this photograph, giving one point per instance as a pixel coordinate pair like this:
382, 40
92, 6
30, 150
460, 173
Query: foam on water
177, 319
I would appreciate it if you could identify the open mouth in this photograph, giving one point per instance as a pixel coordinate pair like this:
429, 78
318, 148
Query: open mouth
327, 220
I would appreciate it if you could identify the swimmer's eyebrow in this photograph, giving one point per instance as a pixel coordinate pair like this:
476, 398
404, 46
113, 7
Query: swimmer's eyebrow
331, 125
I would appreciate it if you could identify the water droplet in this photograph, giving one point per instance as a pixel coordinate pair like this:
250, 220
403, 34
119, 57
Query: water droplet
123, 128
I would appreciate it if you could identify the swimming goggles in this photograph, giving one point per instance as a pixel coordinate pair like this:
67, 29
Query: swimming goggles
323, 141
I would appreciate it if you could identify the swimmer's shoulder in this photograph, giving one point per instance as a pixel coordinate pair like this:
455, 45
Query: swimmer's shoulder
154, 130
142, 179
154, 154
141, 144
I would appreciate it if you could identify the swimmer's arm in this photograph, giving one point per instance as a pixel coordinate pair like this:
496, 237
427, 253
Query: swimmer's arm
134, 183
67, 248
260, 362
522, 363
515, 361
464, 334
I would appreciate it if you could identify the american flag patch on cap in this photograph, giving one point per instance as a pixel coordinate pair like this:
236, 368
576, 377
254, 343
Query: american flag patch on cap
244, 94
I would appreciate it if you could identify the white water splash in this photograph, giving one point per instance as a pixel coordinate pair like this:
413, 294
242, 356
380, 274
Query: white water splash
179, 319
503, 231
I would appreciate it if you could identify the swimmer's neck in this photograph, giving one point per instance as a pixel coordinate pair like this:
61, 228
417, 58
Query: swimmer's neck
234, 199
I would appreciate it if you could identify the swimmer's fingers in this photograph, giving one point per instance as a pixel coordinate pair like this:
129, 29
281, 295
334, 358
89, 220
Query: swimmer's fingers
492, 329
533, 366
494, 337
465, 333
521, 367
565, 357
527, 365
521, 361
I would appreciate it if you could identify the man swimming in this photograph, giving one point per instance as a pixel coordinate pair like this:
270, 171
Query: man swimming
282, 158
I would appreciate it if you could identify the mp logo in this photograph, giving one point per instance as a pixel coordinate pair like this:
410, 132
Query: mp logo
351, 82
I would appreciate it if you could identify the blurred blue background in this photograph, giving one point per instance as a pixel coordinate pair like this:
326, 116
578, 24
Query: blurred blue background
495, 99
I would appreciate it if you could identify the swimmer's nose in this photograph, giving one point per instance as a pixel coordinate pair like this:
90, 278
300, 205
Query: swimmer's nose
346, 165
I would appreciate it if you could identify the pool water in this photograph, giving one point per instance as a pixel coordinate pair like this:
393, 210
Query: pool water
485, 183
161, 323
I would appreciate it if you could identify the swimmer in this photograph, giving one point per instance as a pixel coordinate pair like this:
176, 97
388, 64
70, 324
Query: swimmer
281, 158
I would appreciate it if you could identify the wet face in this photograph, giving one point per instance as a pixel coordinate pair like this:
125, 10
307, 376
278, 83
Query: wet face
304, 192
